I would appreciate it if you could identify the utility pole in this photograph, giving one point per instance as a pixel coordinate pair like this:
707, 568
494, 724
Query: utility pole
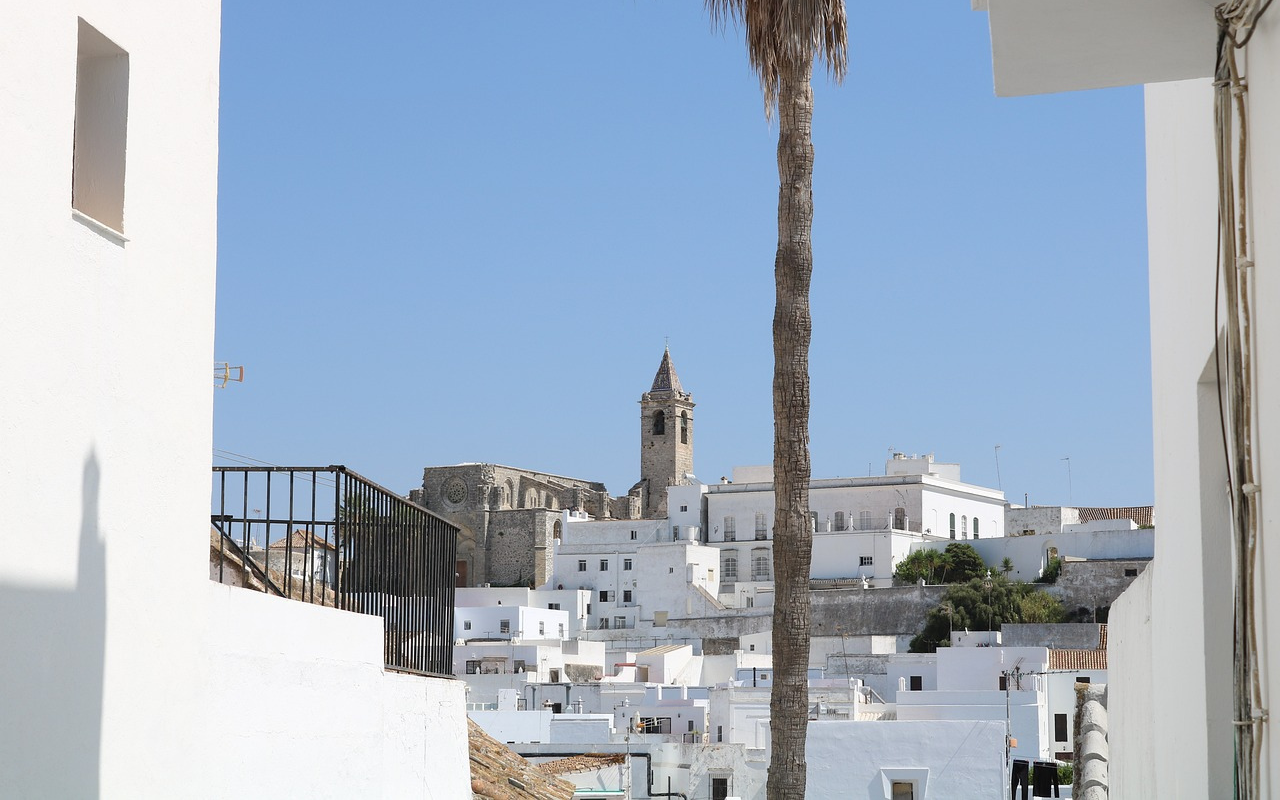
1070, 492
999, 485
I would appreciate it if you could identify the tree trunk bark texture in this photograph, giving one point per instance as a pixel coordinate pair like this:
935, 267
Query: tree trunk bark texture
793, 539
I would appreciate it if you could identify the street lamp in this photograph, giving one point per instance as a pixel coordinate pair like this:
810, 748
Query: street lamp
987, 584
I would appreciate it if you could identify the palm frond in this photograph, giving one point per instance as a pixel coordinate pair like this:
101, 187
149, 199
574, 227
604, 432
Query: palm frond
784, 33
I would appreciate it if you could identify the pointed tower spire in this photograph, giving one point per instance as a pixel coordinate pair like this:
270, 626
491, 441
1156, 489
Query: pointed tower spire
666, 380
666, 438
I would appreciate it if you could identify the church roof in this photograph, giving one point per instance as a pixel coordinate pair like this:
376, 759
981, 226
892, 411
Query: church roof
666, 380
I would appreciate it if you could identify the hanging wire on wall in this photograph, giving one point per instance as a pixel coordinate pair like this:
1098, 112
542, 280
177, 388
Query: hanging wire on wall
1235, 363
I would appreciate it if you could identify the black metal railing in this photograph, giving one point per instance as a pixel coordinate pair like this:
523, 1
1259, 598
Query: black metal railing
328, 536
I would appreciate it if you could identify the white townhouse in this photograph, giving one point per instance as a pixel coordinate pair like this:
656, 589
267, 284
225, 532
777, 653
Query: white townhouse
862, 526
637, 576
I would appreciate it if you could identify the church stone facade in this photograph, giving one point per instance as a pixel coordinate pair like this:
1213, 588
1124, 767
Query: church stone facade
510, 517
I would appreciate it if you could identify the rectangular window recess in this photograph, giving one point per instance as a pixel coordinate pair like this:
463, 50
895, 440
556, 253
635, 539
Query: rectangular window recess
101, 127
97, 227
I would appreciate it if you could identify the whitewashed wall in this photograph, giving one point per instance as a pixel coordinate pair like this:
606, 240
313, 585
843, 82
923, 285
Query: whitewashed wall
1029, 554
293, 685
1190, 616
522, 622
952, 760
105, 424
515, 726
132, 675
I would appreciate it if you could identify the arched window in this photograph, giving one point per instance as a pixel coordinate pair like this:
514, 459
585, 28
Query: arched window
975, 527
900, 519
729, 567
762, 528
964, 527
555, 530
684, 427
953, 526
531, 499
760, 565
841, 524
659, 423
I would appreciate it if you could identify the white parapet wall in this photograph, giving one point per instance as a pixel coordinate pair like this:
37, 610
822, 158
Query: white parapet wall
301, 705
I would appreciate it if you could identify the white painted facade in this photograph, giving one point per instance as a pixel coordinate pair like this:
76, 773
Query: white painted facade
940, 760
1061, 686
639, 582
862, 526
124, 667
969, 687
1172, 736
510, 622
1030, 554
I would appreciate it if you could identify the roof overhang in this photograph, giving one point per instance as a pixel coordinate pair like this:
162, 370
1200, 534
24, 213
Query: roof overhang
1043, 46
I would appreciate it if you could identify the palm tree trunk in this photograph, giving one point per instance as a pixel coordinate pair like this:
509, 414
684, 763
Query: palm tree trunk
793, 539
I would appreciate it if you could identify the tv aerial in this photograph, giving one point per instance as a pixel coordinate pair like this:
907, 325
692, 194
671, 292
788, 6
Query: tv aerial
224, 373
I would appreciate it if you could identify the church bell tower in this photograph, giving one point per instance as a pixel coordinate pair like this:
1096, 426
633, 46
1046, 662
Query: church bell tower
666, 438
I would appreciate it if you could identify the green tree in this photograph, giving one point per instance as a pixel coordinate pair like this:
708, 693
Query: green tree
784, 37
924, 564
965, 564
980, 604
1039, 606
1006, 566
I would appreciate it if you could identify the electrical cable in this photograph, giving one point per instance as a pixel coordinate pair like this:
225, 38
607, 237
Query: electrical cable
1235, 354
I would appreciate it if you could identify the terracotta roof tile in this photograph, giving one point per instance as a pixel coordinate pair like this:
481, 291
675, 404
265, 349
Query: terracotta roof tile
1142, 515
1077, 659
299, 539
582, 763
497, 773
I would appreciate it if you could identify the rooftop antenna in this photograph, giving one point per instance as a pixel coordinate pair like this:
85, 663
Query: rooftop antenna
999, 485
224, 373
1070, 492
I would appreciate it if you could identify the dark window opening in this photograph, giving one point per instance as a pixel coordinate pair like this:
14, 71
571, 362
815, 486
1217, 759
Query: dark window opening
659, 423
719, 786
1059, 727
917, 683
684, 427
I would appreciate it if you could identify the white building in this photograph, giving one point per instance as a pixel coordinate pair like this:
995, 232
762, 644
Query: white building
1171, 694
124, 666
638, 576
888, 760
1030, 554
863, 526
1004, 684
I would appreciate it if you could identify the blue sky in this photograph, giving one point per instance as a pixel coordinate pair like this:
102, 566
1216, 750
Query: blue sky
461, 232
